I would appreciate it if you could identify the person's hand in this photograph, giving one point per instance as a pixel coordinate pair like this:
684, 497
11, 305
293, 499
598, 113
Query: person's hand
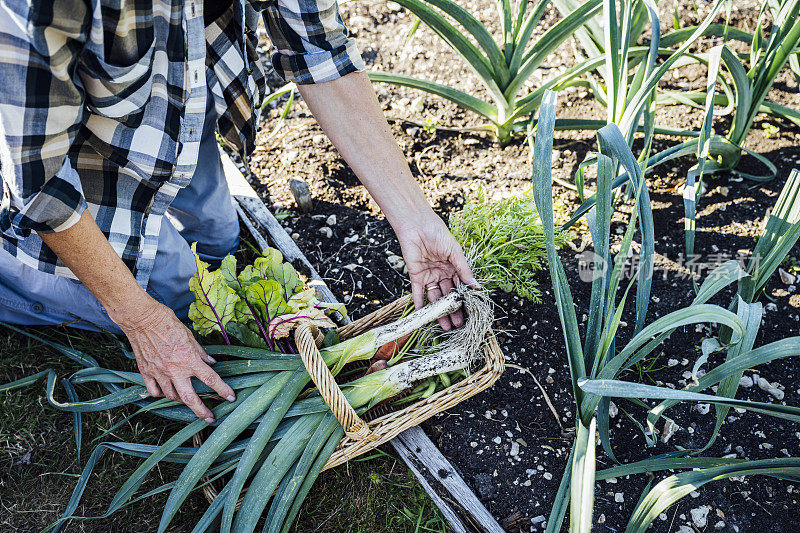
435, 264
168, 356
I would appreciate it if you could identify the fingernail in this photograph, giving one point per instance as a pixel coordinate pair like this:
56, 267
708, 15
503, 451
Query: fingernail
231, 398
143, 395
209, 420
212, 360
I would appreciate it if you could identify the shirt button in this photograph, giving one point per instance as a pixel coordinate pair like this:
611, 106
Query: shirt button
37, 307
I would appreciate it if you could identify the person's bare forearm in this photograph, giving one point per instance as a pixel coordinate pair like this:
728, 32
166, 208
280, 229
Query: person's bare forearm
87, 253
349, 112
167, 354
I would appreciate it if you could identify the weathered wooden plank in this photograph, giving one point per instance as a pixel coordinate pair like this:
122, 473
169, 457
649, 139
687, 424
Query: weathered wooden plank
434, 472
446, 487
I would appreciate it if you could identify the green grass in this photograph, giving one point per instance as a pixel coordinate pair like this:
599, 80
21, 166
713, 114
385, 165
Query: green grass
39, 463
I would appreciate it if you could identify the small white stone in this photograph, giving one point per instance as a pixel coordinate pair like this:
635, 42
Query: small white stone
619, 497
786, 278
670, 428
548, 476
514, 449
331, 221
613, 411
325, 230
746, 382
703, 408
497, 440
700, 516
396, 262
719, 525
771, 388
673, 362
663, 516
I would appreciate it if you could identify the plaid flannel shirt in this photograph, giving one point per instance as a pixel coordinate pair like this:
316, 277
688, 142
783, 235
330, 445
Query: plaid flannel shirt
102, 107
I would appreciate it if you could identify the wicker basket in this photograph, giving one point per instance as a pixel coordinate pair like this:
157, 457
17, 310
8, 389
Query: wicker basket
361, 436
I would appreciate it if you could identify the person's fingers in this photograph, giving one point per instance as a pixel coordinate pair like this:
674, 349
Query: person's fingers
434, 293
456, 318
212, 379
166, 387
153, 390
418, 294
190, 398
446, 286
207, 359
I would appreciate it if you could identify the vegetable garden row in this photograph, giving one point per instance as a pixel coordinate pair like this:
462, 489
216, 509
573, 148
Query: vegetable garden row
616, 333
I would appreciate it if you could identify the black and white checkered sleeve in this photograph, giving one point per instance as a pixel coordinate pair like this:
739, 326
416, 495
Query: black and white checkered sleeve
311, 41
41, 108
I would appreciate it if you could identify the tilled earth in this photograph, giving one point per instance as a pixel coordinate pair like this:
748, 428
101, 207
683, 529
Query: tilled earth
509, 446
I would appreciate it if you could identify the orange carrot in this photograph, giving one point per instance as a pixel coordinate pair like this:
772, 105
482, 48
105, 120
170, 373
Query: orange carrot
390, 349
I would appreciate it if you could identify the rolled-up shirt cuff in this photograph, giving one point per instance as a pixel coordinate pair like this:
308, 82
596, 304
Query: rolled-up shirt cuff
57, 206
315, 67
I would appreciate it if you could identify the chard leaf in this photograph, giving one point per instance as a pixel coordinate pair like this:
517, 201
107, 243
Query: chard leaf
308, 298
272, 266
266, 299
332, 307
282, 325
301, 300
273, 254
215, 301
228, 270
247, 335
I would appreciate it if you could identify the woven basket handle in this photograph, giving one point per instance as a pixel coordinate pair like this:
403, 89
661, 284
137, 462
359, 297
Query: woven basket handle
354, 427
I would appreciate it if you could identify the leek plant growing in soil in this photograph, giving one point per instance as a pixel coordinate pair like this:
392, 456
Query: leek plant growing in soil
278, 435
781, 232
503, 67
597, 359
744, 98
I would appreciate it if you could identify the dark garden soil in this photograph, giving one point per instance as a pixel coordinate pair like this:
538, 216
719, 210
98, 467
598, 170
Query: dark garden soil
506, 442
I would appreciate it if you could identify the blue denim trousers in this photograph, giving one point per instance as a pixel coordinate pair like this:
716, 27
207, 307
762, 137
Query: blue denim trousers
202, 212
